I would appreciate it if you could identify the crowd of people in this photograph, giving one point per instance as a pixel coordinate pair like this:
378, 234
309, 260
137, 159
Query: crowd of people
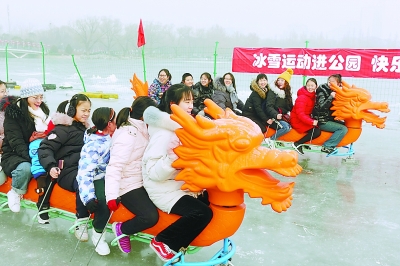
127, 158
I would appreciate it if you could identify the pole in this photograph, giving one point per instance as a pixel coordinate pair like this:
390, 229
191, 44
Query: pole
305, 77
79, 74
144, 64
215, 59
44, 75
7, 61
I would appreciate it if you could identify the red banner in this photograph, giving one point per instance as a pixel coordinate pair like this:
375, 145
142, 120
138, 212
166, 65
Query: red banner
371, 63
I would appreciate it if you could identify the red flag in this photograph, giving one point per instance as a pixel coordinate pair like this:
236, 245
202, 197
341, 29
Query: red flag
140, 39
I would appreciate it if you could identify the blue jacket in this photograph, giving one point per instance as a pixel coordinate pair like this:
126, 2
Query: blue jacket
95, 156
36, 168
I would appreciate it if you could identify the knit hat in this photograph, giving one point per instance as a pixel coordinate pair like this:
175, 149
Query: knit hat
287, 75
31, 87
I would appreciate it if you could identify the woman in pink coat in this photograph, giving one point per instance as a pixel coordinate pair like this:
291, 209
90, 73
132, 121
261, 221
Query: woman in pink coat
124, 172
300, 117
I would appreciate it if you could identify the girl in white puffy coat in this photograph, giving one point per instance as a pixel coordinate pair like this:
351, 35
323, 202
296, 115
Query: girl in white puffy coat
159, 177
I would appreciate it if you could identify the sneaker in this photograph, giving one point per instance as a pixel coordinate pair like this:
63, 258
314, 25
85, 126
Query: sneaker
81, 231
298, 148
124, 243
328, 150
14, 200
269, 143
43, 218
162, 250
99, 241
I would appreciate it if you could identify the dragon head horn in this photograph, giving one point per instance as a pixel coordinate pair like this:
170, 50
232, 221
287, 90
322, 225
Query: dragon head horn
140, 88
217, 112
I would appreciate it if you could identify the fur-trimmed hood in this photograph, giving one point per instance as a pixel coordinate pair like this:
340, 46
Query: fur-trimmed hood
6, 101
219, 85
254, 87
64, 119
156, 118
279, 92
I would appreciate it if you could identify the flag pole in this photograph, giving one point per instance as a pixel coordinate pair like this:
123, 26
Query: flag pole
144, 64
140, 43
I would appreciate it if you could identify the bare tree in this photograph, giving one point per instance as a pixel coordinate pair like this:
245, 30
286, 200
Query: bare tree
87, 31
110, 30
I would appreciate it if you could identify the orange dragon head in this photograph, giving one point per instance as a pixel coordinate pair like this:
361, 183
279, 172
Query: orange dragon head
355, 103
140, 88
225, 154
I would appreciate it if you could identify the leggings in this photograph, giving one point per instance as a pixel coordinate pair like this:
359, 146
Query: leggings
311, 134
195, 216
137, 201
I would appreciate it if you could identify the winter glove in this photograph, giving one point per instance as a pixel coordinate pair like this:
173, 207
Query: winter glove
92, 205
113, 205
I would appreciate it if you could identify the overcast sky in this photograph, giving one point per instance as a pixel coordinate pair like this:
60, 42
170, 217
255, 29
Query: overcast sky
273, 18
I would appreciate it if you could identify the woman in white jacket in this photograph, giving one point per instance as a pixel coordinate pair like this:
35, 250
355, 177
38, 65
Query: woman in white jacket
124, 172
159, 177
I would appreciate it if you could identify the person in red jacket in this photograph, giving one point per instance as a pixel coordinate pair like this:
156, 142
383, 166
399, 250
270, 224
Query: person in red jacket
301, 119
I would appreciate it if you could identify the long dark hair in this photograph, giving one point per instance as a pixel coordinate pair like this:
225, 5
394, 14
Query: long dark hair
136, 111
288, 92
174, 94
23, 105
233, 79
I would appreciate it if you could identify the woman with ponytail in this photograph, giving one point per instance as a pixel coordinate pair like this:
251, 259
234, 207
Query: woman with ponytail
124, 172
60, 151
93, 161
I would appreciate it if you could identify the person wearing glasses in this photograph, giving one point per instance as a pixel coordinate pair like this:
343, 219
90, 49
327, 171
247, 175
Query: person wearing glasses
60, 151
94, 159
23, 116
160, 85
225, 93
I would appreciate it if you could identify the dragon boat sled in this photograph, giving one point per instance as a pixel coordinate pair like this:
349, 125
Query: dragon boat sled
223, 156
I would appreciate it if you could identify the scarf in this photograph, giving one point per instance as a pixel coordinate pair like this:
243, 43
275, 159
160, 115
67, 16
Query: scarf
233, 95
40, 118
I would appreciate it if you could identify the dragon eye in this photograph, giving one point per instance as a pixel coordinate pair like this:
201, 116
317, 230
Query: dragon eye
241, 144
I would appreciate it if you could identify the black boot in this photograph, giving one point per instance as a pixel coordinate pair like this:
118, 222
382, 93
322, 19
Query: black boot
44, 202
41, 184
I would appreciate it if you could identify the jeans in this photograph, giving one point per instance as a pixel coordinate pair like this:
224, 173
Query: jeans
137, 201
282, 128
339, 131
195, 216
21, 177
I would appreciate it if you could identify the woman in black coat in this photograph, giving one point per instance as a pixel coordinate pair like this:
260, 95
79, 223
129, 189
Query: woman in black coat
19, 125
225, 94
253, 108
